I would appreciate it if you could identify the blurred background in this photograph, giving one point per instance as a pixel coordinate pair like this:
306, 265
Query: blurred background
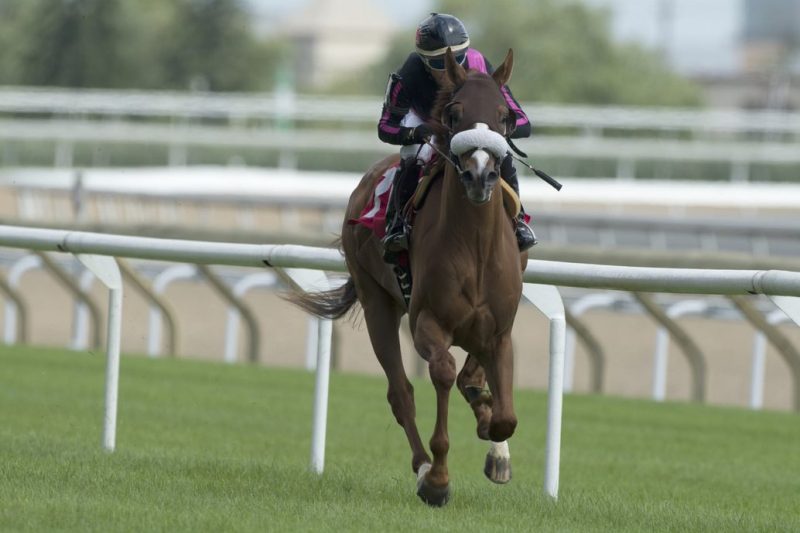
673, 124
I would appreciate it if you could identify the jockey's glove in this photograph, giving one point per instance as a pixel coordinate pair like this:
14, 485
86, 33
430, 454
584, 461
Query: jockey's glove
421, 133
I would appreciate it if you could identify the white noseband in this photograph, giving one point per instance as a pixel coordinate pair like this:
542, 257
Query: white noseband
480, 137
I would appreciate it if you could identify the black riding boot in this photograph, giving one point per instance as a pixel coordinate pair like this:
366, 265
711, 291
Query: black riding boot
525, 236
403, 187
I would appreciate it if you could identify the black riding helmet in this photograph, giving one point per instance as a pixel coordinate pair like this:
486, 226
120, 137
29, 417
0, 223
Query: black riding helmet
436, 34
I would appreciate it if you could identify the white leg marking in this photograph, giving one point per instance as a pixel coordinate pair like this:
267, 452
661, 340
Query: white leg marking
423, 469
498, 450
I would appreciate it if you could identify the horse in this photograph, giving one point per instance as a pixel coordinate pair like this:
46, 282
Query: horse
467, 278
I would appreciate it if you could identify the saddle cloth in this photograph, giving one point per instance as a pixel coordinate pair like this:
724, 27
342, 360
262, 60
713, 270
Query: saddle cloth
373, 216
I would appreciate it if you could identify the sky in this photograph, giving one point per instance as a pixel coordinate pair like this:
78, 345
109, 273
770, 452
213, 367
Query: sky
405, 12
701, 39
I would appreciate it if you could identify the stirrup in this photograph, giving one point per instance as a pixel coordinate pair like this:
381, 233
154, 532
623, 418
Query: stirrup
525, 237
395, 242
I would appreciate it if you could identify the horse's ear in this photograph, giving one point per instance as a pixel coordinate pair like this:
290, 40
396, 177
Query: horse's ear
455, 72
503, 72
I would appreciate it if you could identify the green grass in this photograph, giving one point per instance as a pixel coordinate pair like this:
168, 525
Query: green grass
209, 447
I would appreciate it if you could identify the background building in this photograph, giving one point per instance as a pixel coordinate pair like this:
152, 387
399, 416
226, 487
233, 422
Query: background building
333, 38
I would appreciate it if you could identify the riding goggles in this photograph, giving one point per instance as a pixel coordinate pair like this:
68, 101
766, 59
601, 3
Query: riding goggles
437, 62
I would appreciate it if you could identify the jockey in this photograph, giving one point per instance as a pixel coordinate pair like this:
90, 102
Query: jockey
410, 95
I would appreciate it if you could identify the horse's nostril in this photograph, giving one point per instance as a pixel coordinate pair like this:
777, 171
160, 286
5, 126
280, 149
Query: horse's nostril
491, 176
467, 176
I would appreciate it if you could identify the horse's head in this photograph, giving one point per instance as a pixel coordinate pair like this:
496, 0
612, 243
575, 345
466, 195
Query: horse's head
478, 121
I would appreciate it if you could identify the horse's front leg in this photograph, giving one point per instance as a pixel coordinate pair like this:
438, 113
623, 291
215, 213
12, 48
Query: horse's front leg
500, 375
432, 343
471, 382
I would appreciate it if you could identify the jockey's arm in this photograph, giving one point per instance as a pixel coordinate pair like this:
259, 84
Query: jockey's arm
395, 106
524, 127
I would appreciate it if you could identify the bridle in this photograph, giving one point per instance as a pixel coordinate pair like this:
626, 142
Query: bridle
490, 140
447, 157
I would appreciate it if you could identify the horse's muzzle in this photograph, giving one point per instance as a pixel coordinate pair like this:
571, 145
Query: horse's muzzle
479, 187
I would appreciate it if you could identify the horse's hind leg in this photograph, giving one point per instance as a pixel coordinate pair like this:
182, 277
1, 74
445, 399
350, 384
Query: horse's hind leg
383, 321
471, 382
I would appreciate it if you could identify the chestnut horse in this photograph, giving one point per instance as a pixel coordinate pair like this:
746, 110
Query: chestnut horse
467, 272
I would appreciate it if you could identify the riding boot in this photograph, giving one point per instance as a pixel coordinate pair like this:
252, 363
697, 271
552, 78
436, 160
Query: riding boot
525, 236
403, 187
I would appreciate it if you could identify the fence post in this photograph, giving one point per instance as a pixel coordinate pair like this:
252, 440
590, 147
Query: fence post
548, 300
309, 281
107, 271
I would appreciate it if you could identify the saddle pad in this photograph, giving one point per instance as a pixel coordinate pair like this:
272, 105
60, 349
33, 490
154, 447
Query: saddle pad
373, 216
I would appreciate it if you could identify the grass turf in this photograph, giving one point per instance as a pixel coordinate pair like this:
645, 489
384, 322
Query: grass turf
208, 447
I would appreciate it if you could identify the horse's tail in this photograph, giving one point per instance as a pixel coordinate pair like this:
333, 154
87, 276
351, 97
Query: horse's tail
331, 304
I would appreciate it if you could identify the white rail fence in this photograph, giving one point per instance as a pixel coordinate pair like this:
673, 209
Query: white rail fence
96, 252
16, 323
738, 138
298, 107
155, 196
740, 156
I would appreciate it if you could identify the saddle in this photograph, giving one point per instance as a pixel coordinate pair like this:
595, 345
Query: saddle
373, 215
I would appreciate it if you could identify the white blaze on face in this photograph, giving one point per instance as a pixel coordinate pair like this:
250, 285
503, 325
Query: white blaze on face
480, 156
479, 138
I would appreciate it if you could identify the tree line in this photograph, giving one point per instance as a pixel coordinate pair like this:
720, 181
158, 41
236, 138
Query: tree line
564, 52
564, 49
147, 44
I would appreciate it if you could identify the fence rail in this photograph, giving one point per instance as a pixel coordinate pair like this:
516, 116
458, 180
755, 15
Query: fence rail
626, 152
96, 252
295, 124
150, 194
298, 107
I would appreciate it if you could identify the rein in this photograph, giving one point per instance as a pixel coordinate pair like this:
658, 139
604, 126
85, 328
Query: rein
539, 173
543, 175
447, 157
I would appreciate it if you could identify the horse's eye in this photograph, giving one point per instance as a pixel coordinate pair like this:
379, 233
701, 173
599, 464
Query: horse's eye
507, 120
452, 114
502, 118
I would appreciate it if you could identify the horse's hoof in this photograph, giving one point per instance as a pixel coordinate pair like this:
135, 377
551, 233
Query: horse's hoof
430, 494
433, 496
497, 469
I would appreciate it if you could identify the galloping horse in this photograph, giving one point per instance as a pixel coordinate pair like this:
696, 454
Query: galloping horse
467, 272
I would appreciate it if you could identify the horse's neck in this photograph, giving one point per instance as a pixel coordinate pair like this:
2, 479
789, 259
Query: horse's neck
476, 226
